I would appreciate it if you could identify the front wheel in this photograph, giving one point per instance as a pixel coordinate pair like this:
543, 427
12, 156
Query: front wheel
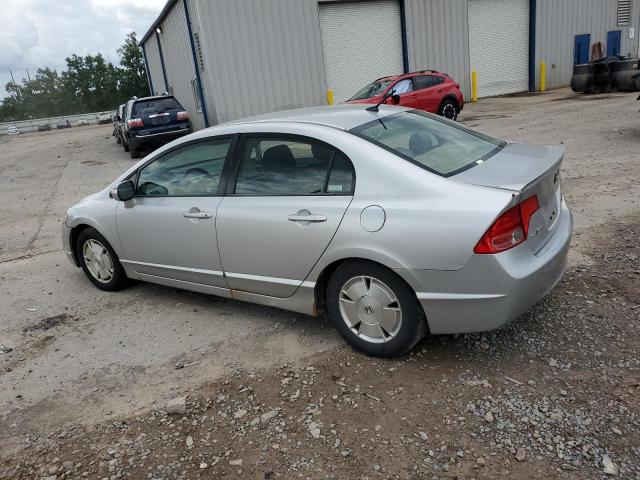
100, 262
449, 110
374, 309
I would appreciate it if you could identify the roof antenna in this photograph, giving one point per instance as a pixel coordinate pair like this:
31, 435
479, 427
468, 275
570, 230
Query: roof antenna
375, 108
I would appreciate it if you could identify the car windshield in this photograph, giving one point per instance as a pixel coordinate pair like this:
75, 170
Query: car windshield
440, 146
372, 90
155, 105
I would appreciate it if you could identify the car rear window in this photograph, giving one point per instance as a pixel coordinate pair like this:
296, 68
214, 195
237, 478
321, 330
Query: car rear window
440, 146
155, 105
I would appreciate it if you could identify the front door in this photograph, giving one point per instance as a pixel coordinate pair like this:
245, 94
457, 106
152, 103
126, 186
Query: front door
406, 91
581, 49
168, 229
613, 43
282, 209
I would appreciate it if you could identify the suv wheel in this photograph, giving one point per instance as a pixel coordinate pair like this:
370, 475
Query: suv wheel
134, 152
449, 109
374, 309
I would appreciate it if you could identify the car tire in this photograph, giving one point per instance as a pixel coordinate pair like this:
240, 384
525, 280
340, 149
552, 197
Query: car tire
134, 152
449, 109
360, 289
100, 262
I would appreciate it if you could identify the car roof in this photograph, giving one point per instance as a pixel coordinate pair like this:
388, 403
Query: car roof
154, 97
342, 117
410, 75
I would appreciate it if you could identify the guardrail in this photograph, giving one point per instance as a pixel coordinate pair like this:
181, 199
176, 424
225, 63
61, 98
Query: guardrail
75, 120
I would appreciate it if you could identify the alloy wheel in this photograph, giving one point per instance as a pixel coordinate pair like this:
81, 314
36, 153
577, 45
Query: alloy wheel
370, 309
449, 111
98, 261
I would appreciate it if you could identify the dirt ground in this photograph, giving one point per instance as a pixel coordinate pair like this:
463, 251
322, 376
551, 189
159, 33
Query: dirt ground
85, 375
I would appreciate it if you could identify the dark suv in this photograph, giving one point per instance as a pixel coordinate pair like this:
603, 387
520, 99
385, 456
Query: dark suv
153, 121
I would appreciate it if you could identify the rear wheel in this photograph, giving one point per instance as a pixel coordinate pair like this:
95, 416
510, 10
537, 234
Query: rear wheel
100, 262
449, 109
374, 309
134, 152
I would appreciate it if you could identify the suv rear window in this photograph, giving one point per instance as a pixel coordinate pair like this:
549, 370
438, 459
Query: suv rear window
435, 144
155, 105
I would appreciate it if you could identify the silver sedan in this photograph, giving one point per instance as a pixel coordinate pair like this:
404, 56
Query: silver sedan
393, 222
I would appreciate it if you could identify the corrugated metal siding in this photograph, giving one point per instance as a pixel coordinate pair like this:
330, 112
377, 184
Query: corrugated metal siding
154, 65
438, 37
499, 55
559, 21
178, 61
262, 56
205, 75
350, 44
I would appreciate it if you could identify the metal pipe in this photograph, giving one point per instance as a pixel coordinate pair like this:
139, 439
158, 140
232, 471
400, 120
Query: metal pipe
164, 70
195, 65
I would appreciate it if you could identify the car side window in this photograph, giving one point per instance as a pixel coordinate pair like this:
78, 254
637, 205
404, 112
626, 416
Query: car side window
191, 170
424, 81
282, 166
403, 86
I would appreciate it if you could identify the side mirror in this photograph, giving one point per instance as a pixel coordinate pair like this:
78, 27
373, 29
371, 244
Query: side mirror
395, 99
125, 191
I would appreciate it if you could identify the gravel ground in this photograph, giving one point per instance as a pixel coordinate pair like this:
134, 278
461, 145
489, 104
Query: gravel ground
90, 378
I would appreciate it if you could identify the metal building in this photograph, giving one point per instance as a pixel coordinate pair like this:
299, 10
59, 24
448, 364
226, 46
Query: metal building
226, 59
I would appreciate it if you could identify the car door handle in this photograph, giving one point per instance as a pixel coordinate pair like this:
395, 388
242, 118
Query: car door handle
196, 213
307, 218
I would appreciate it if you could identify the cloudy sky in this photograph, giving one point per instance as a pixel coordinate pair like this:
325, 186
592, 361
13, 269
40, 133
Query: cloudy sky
38, 33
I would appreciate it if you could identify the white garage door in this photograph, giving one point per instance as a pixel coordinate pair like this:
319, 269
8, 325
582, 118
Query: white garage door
499, 45
361, 41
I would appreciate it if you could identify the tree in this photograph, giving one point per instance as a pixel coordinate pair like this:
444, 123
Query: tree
89, 84
133, 75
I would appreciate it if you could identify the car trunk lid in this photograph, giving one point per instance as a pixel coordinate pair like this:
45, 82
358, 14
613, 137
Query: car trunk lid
526, 171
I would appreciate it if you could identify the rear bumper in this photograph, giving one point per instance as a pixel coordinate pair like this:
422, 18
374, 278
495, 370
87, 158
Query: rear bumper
158, 138
492, 290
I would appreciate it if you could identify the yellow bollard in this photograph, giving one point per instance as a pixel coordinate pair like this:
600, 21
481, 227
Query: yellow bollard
474, 86
543, 76
330, 97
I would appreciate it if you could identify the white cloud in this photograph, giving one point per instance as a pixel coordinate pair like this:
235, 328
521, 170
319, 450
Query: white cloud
39, 33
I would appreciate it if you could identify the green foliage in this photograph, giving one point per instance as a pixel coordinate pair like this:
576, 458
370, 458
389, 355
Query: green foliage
89, 84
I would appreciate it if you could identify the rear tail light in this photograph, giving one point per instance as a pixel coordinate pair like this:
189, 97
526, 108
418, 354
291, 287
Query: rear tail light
510, 229
135, 122
182, 116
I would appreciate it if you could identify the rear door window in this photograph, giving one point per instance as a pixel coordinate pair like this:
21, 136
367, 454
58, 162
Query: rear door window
155, 105
283, 166
426, 81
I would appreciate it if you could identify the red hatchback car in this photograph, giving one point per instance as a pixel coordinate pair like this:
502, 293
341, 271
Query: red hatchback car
426, 90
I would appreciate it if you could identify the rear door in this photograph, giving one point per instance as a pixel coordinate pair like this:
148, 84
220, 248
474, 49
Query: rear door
429, 91
284, 203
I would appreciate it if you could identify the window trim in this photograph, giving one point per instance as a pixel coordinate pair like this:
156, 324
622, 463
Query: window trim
237, 159
223, 175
